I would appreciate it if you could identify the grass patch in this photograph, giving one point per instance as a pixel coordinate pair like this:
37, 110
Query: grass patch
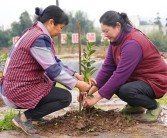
163, 100
61, 86
6, 122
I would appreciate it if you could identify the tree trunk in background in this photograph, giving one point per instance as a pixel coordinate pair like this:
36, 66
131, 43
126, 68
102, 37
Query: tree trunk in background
59, 36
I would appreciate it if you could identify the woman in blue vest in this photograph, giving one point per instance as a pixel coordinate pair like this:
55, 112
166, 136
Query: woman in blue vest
32, 69
133, 69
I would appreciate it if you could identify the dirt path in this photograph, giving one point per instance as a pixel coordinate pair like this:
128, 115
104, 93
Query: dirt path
135, 130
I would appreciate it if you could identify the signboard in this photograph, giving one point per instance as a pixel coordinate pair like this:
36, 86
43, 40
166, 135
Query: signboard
63, 39
75, 38
91, 37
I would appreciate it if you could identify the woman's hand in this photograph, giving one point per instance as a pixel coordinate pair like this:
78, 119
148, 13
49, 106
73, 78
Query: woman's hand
92, 81
79, 77
80, 98
82, 86
90, 101
92, 90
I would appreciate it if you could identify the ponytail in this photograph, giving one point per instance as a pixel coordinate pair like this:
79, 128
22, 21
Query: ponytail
125, 18
39, 12
110, 18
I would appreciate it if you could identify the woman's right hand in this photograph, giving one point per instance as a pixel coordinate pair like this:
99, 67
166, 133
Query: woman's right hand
92, 81
92, 90
82, 86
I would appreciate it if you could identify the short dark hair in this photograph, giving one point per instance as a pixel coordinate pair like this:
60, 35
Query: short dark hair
110, 18
52, 12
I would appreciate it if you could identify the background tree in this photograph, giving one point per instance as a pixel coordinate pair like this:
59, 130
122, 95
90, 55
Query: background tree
143, 22
18, 27
86, 24
15, 29
159, 40
25, 21
72, 25
158, 21
4, 38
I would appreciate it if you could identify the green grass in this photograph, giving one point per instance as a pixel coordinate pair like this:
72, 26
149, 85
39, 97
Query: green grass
6, 122
61, 86
163, 100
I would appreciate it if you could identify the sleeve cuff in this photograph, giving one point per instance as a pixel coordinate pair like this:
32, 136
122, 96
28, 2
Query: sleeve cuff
108, 97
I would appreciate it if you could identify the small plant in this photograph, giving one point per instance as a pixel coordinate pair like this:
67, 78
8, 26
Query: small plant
6, 122
87, 69
3, 58
86, 63
105, 42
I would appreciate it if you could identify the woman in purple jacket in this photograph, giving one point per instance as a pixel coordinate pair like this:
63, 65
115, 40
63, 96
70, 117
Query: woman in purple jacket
133, 69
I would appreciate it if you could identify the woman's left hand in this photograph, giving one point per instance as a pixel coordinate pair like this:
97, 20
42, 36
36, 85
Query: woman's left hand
90, 101
79, 77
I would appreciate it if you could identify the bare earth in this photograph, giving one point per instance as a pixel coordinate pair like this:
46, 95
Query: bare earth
103, 121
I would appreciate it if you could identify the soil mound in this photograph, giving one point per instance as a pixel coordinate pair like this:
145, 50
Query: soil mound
74, 123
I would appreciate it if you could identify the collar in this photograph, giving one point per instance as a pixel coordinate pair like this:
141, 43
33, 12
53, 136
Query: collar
39, 24
120, 36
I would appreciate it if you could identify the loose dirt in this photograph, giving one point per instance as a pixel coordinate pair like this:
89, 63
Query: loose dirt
103, 121
76, 123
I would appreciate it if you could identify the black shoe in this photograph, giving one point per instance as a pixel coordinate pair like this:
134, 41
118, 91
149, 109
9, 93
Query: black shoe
25, 126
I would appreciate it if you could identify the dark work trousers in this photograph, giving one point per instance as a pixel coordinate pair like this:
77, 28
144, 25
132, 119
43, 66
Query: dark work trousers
57, 99
138, 93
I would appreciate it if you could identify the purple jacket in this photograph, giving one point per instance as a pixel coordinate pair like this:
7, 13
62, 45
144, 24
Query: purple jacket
111, 77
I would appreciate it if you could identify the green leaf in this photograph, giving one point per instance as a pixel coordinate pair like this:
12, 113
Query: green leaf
92, 68
93, 71
91, 52
6, 122
86, 62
